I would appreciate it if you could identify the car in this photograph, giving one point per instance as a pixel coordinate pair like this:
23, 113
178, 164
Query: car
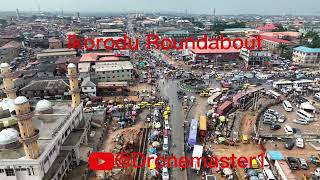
166, 125
282, 119
275, 127
289, 144
300, 143
165, 173
303, 164
261, 176
314, 160
268, 121
300, 121
293, 163
271, 111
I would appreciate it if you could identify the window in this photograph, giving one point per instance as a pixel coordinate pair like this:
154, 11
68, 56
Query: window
1, 171
10, 172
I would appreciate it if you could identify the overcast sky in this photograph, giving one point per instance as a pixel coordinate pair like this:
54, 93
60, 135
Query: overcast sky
303, 7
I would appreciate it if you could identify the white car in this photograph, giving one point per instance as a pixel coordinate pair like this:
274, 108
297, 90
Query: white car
166, 125
165, 173
300, 143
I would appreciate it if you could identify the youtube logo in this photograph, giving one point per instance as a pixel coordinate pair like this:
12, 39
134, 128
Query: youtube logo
101, 161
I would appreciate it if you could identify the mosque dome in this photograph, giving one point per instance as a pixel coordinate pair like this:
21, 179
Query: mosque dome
20, 100
71, 65
4, 65
8, 136
44, 106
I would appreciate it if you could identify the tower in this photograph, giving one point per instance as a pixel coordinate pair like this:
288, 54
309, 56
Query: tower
28, 134
8, 76
17, 14
74, 84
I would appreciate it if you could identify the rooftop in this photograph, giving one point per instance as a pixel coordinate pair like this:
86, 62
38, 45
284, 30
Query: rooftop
307, 49
48, 124
93, 57
112, 66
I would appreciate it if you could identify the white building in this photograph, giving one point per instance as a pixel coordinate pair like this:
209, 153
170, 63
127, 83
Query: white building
88, 87
61, 134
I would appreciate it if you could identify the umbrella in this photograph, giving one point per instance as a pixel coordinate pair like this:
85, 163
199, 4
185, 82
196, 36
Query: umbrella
133, 113
152, 150
153, 158
155, 144
154, 173
222, 118
227, 171
221, 139
152, 166
157, 125
110, 101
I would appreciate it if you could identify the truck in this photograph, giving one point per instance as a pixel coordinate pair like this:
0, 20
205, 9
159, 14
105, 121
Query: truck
196, 158
203, 126
214, 98
224, 108
283, 170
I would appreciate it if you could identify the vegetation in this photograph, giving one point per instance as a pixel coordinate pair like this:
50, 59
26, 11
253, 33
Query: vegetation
3, 23
315, 39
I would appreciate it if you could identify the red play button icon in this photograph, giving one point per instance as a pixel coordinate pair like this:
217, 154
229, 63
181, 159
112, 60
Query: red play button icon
101, 161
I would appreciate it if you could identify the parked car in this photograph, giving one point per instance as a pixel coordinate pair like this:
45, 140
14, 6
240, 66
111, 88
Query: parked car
300, 143
282, 118
289, 144
275, 127
315, 160
293, 163
165, 173
300, 121
303, 164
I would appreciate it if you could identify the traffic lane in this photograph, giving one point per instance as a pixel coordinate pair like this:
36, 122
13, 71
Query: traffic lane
168, 89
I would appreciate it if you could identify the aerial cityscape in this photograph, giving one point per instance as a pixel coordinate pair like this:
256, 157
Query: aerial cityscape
160, 90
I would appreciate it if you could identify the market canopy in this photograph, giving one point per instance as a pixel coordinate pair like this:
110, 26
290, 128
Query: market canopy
275, 155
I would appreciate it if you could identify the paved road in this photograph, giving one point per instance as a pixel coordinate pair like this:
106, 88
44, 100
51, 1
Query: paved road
168, 89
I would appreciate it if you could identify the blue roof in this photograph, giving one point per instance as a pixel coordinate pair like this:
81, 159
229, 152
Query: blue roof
275, 155
307, 50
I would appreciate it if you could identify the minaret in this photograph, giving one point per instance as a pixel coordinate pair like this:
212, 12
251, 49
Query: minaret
8, 76
28, 134
74, 84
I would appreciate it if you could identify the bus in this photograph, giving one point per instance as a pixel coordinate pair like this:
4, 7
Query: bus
268, 174
192, 140
305, 115
273, 94
224, 108
214, 98
282, 84
302, 83
203, 126
287, 106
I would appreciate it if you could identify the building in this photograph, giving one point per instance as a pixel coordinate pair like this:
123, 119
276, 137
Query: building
54, 43
178, 35
51, 134
218, 56
9, 51
46, 89
88, 87
51, 55
267, 28
112, 32
254, 57
305, 55
104, 67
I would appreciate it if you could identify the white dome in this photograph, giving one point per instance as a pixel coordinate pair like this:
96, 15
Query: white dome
20, 100
43, 105
71, 65
4, 65
7, 103
8, 136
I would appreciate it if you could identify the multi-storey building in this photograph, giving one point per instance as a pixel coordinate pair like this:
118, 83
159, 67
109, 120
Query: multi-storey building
305, 55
